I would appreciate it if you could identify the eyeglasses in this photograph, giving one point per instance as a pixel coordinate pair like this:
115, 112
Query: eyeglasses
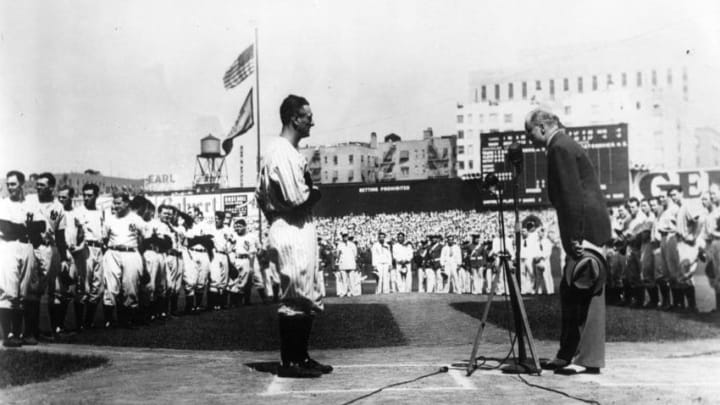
88, 195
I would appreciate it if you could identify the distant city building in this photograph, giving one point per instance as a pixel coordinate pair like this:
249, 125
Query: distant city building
706, 145
653, 102
391, 160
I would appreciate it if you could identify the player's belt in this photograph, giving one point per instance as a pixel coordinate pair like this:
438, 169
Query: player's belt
243, 256
94, 243
121, 248
198, 249
174, 252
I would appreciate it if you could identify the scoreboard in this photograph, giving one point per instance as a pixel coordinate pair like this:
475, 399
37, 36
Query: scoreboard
606, 146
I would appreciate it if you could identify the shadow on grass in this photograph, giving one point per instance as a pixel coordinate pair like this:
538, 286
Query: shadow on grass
254, 328
623, 324
19, 367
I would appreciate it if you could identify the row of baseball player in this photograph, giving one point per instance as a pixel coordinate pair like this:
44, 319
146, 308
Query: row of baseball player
131, 261
442, 267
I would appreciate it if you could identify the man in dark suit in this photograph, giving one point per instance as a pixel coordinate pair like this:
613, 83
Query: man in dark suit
575, 193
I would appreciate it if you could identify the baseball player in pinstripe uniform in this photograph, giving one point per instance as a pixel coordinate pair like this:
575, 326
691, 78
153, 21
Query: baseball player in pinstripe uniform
51, 254
18, 264
173, 257
72, 284
122, 262
92, 221
286, 195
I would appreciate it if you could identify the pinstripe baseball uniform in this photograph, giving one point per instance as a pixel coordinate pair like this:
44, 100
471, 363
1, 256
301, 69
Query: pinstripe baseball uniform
282, 194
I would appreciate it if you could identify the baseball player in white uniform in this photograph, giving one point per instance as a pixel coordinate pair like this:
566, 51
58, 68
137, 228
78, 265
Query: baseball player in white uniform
122, 262
223, 241
451, 259
381, 262
18, 264
51, 254
197, 261
174, 235
402, 252
72, 283
286, 195
92, 221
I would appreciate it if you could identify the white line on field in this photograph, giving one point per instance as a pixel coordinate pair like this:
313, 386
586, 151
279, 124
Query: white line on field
461, 379
275, 387
267, 393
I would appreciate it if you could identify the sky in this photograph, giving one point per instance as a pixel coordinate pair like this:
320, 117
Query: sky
130, 87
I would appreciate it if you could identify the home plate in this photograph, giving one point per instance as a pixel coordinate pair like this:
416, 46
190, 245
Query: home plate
363, 378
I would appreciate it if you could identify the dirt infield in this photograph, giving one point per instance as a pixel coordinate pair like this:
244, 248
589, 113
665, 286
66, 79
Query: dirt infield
636, 373
396, 344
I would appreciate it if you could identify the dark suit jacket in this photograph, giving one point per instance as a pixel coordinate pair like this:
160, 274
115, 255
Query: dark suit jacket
575, 193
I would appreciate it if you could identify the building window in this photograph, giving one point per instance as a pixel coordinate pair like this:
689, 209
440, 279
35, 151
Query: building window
566, 84
510, 91
351, 176
461, 165
350, 159
404, 156
493, 118
483, 93
609, 80
552, 87
335, 160
624, 79
594, 83
469, 118
497, 92
469, 148
481, 118
460, 149
538, 85
476, 95
445, 151
508, 118
470, 164
524, 90
461, 134
568, 110
684, 75
460, 118
405, 171
362, 158
638, 79
325, 159
669, 77
580, 86
657, 110
470, 134
637, 105
653, 78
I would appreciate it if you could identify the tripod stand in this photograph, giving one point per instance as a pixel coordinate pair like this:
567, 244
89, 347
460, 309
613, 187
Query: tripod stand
521, 364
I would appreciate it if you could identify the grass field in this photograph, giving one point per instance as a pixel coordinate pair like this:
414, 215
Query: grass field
19, 367
396, 320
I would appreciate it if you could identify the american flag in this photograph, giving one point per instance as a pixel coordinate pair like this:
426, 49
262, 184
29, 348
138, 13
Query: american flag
240, 69
243, 123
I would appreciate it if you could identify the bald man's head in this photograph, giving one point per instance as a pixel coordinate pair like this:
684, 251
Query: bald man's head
540, 124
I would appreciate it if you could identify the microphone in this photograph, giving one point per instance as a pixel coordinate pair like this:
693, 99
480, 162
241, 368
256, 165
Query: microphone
491, 182
515, 156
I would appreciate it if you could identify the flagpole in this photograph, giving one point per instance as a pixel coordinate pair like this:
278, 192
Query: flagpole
257, 92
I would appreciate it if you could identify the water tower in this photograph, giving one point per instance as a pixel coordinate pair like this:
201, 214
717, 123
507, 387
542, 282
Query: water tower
210, 171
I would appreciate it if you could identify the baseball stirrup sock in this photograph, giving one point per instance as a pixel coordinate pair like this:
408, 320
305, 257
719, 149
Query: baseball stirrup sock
17, 321
5, 321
